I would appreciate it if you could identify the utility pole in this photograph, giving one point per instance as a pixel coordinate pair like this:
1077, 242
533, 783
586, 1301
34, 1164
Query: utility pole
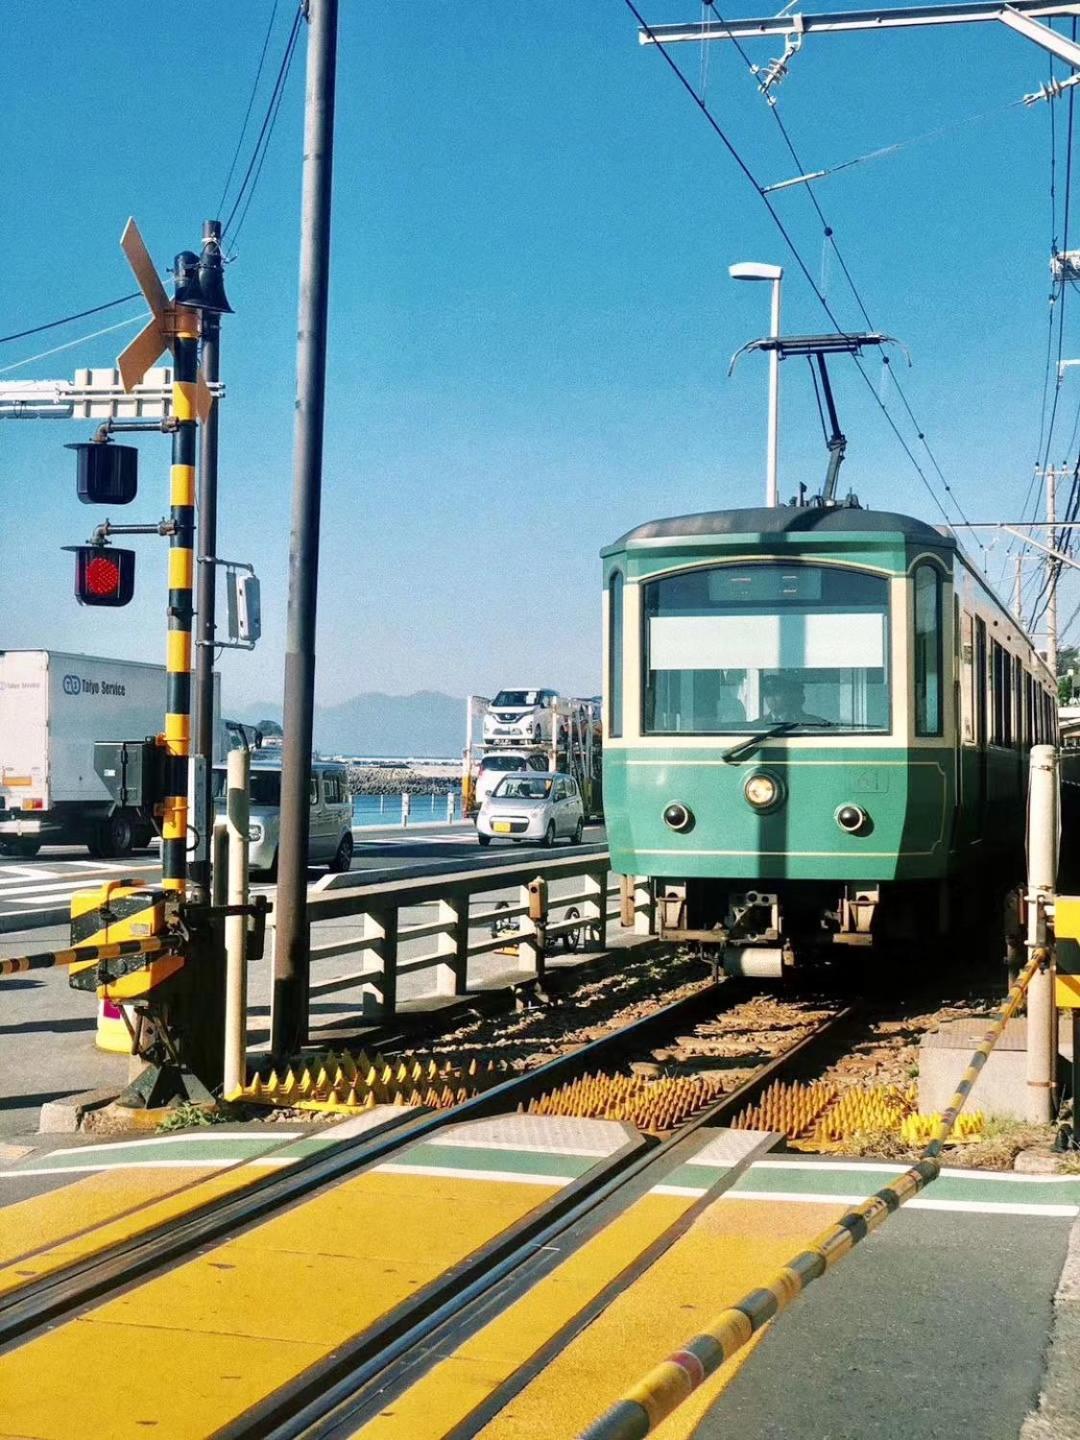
1052, 570
292, 946
1018, 604
205, 594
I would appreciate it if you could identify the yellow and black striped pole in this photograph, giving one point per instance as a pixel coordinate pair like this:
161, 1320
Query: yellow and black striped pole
181, 578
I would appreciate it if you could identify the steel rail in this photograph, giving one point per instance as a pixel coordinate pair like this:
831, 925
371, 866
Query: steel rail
331, 1398
66, 1290
659, 1393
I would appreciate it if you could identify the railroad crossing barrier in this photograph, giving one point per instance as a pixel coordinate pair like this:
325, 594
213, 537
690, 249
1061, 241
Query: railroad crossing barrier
540, 917
116, 950
665, 1387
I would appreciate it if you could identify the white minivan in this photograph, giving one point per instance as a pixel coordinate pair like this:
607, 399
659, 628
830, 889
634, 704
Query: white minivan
330, 837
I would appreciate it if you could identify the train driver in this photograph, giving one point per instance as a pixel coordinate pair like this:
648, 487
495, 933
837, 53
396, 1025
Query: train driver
782, 701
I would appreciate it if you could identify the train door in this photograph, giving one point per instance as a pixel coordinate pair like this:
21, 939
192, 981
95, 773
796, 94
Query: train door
980, 726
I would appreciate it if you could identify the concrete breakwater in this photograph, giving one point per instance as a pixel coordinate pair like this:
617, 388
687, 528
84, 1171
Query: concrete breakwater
383, 780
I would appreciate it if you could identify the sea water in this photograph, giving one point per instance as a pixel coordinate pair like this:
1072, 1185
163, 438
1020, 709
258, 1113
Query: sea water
386, 809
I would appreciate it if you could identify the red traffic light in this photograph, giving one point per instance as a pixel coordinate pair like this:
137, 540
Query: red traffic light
103, 576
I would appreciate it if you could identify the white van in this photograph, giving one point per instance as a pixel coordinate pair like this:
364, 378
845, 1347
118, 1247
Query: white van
521, 717
330, 837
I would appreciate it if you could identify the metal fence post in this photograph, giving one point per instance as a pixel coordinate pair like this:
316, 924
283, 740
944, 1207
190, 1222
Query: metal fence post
644, 906
596, 888
238, 812
382, 926
406, 805
452, 972
533, 928
450, 807
1042, 844
626, 901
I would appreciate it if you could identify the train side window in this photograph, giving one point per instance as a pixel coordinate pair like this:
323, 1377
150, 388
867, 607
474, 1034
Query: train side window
615, 654
980, 682
928, 655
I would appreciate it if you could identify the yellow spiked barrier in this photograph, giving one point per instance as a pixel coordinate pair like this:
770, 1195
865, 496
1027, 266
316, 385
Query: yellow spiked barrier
652, 1105
345, 1084
657, 1395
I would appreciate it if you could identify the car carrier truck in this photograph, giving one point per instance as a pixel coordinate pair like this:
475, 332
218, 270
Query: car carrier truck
54, 707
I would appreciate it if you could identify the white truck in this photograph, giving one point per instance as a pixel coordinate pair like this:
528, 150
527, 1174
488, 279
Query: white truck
570, 742
54, 706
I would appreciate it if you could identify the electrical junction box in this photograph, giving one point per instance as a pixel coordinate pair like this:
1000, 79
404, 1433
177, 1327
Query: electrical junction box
133, 772
244, 608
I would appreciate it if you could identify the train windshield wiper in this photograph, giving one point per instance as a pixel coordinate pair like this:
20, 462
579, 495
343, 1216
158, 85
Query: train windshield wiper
744, 747
747, 746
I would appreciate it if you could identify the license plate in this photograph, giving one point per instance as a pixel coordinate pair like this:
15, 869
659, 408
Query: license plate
501, 827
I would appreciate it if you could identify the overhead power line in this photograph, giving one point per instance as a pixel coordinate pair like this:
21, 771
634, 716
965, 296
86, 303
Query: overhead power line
67, 319
262, 140
247, 113
785, 234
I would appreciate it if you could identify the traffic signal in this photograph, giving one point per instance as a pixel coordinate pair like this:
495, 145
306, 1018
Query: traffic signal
107, 474
103, 576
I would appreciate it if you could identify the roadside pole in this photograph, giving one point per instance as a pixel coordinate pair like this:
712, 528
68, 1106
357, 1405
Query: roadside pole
1042, 878
238, 812
292, 950
205, 595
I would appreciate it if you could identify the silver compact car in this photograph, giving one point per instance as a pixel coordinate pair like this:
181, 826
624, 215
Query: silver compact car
536, 807
330, 837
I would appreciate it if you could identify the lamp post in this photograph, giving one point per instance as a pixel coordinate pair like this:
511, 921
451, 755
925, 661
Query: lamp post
749, 270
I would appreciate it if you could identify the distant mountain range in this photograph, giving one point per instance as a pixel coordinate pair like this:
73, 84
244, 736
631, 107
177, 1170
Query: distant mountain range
425, 723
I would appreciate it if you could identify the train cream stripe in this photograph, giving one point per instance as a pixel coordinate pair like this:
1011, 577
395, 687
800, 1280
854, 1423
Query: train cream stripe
863, 764
800, 854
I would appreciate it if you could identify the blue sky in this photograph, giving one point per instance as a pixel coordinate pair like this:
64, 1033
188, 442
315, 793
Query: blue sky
530, 319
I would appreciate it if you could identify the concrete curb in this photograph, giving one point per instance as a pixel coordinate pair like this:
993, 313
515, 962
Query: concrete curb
34, 920
1058, 1415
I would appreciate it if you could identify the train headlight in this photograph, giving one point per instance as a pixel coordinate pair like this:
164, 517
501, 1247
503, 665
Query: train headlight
763, 791
852, 818
679, 817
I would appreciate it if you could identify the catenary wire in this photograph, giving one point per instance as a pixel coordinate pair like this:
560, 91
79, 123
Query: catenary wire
67, 319
830, 238
247, 113
790, 243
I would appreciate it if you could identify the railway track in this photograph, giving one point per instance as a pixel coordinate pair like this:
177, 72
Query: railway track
335, 1394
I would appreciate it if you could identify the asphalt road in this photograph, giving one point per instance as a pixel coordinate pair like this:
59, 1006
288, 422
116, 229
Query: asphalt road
37, 892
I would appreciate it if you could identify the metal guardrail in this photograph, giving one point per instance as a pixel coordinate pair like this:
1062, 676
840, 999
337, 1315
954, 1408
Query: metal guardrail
540, 919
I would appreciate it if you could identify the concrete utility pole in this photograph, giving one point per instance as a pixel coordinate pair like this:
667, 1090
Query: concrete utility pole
292, 947
1052, 571
205, 595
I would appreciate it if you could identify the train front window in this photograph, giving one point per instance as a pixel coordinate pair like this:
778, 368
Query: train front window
733, 647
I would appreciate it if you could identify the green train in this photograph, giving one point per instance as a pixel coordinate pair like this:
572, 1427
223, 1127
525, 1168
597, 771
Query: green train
816, 726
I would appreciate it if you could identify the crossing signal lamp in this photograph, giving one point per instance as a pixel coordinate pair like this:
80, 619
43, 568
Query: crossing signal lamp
103, 575
107, 474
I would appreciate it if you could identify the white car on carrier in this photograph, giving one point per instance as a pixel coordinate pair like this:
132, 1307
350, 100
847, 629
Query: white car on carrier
521, 717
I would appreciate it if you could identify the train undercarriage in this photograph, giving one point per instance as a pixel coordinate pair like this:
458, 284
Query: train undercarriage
767, 929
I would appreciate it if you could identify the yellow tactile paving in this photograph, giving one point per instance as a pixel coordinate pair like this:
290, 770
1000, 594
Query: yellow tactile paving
248, 1315
47, 1231
731, 1248
451, 1391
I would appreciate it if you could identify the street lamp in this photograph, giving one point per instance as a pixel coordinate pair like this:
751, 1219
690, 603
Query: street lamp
748, 270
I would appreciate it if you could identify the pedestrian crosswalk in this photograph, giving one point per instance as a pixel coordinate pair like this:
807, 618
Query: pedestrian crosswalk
28, 891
